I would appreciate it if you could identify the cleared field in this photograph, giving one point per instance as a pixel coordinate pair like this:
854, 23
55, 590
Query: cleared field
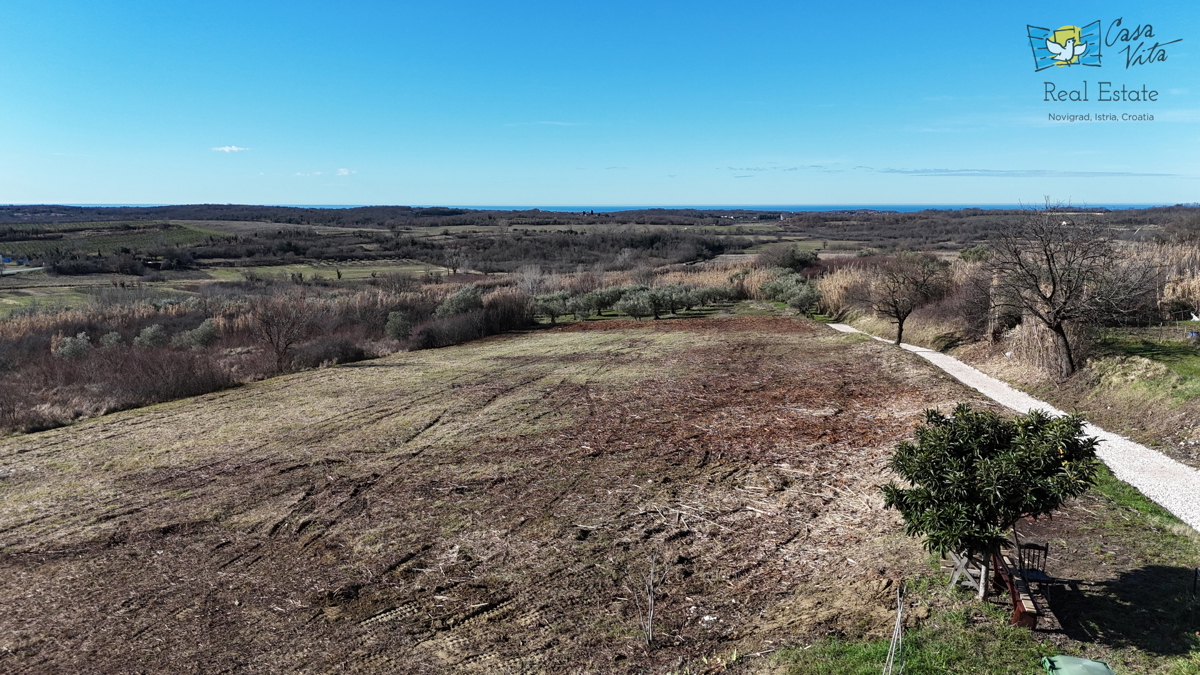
484, 508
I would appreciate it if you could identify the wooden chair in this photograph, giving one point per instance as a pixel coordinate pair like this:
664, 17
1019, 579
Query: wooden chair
1032, 561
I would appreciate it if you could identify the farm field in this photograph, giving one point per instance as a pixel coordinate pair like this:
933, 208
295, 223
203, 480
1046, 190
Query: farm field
482, 508
103, 238
349, 270
50, 291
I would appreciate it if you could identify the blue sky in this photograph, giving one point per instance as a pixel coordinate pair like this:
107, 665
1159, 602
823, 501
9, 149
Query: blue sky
559, 103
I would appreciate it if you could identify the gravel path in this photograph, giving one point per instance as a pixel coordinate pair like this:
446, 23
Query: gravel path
1174, 486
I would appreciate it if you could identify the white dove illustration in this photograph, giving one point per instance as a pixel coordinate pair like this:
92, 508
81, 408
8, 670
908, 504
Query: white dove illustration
1065, 53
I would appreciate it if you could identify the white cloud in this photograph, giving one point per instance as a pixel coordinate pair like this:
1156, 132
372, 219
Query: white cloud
229, 148
312, 173
345, 172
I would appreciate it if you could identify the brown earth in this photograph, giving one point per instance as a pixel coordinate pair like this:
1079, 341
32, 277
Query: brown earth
483, 508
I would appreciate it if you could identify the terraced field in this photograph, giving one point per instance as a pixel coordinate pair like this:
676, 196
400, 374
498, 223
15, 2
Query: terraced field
487, 508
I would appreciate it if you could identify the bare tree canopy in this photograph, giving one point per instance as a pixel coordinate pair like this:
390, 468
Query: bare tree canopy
280, 322
902, 285
1059, 268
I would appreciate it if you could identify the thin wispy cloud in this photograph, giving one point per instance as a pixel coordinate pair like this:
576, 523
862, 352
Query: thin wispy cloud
1021, 173
229, 148
763, 168
546, 123
339, 172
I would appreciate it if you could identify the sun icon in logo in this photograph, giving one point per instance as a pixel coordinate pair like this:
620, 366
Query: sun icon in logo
1067, 45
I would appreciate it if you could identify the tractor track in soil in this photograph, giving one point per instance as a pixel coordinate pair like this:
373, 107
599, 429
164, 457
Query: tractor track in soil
479, 509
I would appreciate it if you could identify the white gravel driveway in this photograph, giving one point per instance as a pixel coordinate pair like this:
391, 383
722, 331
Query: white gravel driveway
1174, 486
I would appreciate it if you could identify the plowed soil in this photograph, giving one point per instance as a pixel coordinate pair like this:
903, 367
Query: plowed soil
487, 508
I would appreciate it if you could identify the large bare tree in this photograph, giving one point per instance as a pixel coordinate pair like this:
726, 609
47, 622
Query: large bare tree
903, 284
1060, 268
280, 322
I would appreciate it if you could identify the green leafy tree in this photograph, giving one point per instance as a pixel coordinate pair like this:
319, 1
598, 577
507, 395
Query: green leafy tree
974, 475
111, 339
581, 306
151, 336
552, 305
73, 347
398, 326
463, 300
636, 305
792, 289
200, 337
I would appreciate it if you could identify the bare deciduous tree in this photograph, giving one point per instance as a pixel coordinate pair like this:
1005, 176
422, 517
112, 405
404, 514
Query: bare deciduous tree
458, 260
1059, 269
902, 285
280, 322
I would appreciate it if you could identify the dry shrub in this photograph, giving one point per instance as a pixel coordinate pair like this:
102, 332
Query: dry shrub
328, 351
149, 376
396, 282
51, 391
754, 280
450, 330
965, 309
1183, 290
507, 309
494, 282
71, 321
1033, 343
841, 289
503, 309
705, 274
584, 282
1176, 259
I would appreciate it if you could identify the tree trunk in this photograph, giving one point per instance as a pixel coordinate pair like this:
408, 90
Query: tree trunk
899, 330
1066, 361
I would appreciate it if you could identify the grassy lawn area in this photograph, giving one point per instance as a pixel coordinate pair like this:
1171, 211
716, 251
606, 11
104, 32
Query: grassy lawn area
967, 638
1123, 596
1166, 345
45, 296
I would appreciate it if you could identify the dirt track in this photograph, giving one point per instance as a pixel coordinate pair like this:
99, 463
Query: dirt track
482, 508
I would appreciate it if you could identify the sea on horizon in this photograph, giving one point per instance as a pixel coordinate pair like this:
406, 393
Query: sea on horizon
793, 208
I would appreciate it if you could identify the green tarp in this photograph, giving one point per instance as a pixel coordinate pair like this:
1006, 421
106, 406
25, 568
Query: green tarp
1070, 665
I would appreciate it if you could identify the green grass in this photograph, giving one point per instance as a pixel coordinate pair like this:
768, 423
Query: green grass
1180, 357
971, 640
1141, 620
1181, 379
48, 297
